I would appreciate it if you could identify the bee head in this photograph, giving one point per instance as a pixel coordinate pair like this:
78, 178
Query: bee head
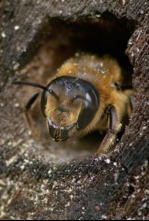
69, 104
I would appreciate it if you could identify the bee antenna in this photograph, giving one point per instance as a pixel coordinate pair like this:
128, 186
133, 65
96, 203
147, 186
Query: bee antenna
37, 85
30, 84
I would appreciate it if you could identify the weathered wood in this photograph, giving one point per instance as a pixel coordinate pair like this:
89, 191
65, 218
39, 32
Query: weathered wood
32, 186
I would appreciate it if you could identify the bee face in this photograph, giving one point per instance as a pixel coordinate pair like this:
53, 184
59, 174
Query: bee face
69, 107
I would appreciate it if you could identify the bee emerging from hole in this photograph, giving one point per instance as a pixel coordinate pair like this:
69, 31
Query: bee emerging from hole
85, 95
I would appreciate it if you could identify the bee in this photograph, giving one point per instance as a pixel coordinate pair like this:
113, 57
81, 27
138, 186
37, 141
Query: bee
84, 95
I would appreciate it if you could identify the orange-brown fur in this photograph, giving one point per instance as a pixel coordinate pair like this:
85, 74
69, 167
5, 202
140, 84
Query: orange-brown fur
102, 73
61, 119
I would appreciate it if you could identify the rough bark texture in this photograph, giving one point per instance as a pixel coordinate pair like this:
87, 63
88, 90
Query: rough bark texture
35, 184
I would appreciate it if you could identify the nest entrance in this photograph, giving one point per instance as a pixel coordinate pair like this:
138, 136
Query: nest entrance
98, 37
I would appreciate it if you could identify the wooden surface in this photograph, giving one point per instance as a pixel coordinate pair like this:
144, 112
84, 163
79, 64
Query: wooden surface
35, 184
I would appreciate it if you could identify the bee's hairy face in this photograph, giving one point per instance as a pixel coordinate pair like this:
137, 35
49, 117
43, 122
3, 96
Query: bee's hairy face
63, 107
65, 111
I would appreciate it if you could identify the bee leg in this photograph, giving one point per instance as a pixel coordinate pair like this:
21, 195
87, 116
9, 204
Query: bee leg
114, 127
27, 108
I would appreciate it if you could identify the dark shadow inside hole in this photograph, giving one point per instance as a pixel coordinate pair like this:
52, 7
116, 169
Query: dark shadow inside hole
100, 38
65, 40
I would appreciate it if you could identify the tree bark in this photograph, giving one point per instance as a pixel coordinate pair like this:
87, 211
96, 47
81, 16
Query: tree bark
35, 184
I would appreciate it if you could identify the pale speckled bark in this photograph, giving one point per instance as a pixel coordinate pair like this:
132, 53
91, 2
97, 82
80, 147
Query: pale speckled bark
31, 187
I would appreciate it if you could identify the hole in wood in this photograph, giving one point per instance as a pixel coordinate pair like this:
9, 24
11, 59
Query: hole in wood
97, 38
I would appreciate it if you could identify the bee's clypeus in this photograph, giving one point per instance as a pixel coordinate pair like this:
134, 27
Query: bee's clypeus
84, 95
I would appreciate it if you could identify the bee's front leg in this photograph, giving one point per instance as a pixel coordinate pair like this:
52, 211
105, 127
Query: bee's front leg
27, 113
27, 109
114, 127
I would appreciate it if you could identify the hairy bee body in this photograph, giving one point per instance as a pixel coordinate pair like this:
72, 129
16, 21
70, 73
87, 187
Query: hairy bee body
102, 73
83, 96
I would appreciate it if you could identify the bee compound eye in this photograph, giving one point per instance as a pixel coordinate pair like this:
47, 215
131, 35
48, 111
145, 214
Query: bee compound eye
89, 110
44, 102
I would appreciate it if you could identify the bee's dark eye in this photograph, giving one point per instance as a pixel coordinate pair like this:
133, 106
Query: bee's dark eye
89, 109
44, 102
